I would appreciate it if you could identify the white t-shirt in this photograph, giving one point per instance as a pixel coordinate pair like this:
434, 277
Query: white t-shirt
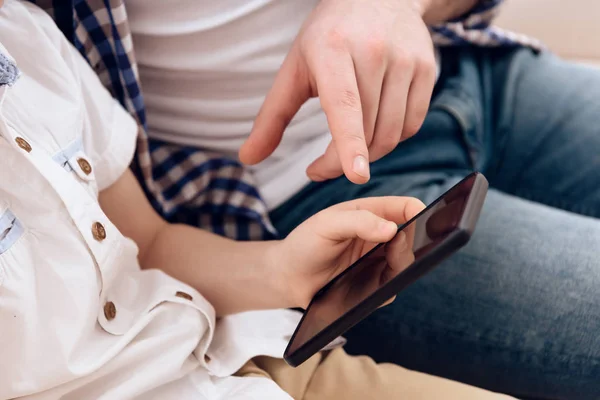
206, 67
78, 318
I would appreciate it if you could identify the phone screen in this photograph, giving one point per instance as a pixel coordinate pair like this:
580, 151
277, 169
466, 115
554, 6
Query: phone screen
413, 241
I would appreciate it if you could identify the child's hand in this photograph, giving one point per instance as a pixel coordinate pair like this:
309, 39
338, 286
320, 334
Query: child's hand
329, 242
243, 276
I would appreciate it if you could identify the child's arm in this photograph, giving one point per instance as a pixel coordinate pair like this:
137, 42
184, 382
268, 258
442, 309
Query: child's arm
243, 276
229, 274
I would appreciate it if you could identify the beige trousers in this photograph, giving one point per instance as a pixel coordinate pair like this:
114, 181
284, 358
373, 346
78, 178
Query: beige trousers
336, 375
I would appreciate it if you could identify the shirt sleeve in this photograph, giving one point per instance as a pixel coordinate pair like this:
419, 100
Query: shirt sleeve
109, 132
470, 28
475, 28
481, 15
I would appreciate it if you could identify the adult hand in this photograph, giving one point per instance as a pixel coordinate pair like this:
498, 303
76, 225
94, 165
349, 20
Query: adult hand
372, 64
329, 242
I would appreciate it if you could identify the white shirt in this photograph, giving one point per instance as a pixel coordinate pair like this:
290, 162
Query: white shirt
78, 318
206, 67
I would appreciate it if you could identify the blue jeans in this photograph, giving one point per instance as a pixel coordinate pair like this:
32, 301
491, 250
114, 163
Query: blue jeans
518, 310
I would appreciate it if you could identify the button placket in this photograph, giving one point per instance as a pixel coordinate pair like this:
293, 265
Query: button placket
90, 223
111, 316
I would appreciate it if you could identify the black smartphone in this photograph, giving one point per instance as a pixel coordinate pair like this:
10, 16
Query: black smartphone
420, 245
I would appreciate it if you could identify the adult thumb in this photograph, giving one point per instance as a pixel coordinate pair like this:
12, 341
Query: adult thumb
289, 92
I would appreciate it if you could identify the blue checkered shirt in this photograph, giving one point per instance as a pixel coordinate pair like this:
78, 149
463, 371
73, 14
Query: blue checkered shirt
191, 185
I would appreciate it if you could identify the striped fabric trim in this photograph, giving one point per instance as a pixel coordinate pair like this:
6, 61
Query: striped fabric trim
190, 185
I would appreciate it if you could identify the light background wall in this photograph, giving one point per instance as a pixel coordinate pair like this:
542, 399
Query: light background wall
570, 28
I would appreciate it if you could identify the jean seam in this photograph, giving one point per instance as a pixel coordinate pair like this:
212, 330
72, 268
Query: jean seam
460, 120
502, 133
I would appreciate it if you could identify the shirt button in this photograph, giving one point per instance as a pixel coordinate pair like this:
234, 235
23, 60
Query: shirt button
110, 311
98, 231
22, 143
84, 165
184, 295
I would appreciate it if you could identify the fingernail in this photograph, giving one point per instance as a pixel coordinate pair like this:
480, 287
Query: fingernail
361, 166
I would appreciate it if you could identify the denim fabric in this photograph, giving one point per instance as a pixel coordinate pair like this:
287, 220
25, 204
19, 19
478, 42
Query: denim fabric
518, 310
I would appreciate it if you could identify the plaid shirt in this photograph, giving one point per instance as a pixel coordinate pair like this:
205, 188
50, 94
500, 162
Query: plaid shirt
191, 185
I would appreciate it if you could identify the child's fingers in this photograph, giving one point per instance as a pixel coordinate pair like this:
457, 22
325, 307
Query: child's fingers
340, 225
387, 303
393, 208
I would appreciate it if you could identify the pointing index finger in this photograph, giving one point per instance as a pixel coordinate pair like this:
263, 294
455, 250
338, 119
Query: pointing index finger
340, 99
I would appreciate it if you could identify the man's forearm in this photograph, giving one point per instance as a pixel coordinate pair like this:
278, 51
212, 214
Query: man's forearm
438, 11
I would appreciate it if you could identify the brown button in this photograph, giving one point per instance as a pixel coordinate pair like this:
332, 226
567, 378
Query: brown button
184, 295
84, 165
110, 311
206, 358
22, 143
98, 231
